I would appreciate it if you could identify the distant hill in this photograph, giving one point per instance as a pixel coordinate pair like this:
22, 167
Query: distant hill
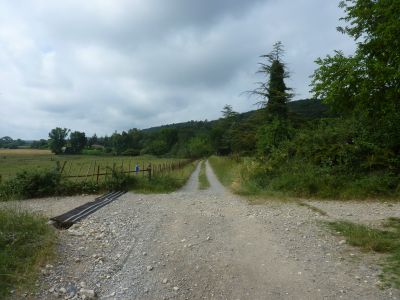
306, 109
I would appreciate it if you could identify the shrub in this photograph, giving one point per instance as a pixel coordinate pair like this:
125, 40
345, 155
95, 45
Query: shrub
31, 184
26, 241
119, 180
35, 184
93, 152
131, 152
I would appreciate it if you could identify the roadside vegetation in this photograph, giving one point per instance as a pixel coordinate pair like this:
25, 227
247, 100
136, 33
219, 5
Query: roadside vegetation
352, 154
377, 240
165, 183
26, 244
226, 169
203, 180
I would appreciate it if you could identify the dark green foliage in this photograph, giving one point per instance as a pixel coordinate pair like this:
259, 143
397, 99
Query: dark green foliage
233, 133
357, 153
41, 144
199, 146
366, 85
271, 135
131, 152
25, 242
306, 110
119, 181
228, 112
70, 188
274, 93
95, 151
8, 142
35, 183
77, 141
329, 159
57, 139
43, 183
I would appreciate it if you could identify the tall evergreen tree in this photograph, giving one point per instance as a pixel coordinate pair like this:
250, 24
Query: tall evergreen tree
274, 92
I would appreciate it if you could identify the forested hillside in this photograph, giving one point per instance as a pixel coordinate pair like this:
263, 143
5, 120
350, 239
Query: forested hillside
233, 133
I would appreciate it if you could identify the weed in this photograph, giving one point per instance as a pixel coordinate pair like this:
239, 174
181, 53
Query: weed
382, 241
26, 242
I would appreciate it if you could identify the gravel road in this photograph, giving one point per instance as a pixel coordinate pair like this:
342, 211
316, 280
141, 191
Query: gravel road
211, 244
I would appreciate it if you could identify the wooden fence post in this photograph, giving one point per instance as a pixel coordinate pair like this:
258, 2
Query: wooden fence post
79, 173
98, 172
87, 172
94, 171
62, 168
149, 170
69, 170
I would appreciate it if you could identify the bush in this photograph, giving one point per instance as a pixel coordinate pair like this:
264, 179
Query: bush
26, 241
119, 181
93, 152
34, 184
131, 152
69, 188
31, 184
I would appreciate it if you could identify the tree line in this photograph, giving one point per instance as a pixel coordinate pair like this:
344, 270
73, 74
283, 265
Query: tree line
233, 133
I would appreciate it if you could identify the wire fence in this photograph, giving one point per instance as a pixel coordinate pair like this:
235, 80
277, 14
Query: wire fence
97, 172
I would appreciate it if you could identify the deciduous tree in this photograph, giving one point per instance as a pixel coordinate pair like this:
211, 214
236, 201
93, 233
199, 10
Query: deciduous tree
57, 139
78, 141
366, 85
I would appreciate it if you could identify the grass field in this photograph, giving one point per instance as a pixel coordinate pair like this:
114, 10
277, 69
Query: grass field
13, 161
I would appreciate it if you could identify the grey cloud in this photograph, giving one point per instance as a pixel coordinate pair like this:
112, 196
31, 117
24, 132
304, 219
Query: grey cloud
108, 65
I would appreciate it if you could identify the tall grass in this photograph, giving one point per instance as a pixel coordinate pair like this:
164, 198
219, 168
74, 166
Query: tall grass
382, 241
226, 169
301, 179
165, 183
26, 242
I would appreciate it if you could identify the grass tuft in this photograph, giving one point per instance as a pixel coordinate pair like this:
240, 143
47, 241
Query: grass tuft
203, 180
26, 243
382, 241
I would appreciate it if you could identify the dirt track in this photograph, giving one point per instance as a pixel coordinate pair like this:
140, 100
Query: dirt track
207, 245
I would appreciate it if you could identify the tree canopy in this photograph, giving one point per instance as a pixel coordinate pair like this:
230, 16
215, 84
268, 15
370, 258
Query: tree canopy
57, 139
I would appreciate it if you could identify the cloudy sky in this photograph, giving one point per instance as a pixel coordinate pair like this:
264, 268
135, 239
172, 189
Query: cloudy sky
106, 65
